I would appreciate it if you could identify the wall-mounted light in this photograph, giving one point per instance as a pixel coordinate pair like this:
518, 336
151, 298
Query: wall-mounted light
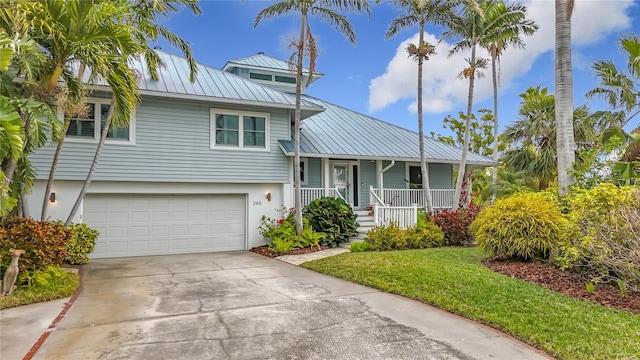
52, 197
268, 196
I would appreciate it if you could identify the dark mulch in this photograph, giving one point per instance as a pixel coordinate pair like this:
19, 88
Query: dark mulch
567, 283
264, 250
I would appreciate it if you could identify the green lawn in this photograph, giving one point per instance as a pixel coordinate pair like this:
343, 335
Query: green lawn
454, 279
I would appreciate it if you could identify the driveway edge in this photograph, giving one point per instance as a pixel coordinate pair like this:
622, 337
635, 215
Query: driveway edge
36, 346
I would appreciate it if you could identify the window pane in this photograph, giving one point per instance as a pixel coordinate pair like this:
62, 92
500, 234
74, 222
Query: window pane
286, 79
302, 171
259, 76
225, 137
81, 128
228, 122
254, 139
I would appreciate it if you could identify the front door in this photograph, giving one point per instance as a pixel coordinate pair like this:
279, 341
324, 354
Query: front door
343, 180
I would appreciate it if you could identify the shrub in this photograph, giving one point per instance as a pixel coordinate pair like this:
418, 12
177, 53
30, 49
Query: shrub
44, 242
281, 245
386, 238
359, 246
282, 233
333, 217
425, 235
455, 224
523, 226
604, 241
81, 243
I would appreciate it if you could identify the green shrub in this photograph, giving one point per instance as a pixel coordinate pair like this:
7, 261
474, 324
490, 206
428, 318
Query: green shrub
42, 278
333, 217
281, 245
359, 246
44, 242
425, 235
387, 238
308, 237
82, 243
523, 226
49, 284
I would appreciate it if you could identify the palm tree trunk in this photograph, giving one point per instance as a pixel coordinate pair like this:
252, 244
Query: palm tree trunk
56, 155
94, 164
54, 166
494, 174
426, 189
296, 131
564, 97
467, 133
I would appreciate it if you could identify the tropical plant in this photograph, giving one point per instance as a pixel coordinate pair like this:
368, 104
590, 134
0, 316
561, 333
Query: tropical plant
516, 27
333, 217
565, 138
81, 243
305, 47
523, 226
420, 12
533, 136
478, 23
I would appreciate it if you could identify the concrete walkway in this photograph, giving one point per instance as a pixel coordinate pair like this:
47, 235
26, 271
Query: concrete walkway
299, 259
245, 306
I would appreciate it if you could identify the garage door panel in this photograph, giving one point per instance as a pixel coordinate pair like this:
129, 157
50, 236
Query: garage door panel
137, 225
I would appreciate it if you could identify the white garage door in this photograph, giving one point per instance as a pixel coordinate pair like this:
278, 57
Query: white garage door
137, 225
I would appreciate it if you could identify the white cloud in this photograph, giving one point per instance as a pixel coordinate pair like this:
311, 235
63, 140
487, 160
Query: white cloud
593, 21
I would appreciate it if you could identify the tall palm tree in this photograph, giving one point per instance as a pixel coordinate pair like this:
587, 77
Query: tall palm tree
477, 23
420, 12
515, 27
140, 18
564, 96
305, 46
533, 136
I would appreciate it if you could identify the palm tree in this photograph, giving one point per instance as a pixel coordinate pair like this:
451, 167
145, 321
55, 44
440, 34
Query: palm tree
564, 96
477, 24
516, 26
420, 12
533, 136
122, 80
305, 46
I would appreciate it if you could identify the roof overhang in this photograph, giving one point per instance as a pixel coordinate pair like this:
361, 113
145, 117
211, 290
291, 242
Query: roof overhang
385, 158
305, 73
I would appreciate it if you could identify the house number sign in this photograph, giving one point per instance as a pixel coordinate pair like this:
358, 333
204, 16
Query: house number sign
257, 203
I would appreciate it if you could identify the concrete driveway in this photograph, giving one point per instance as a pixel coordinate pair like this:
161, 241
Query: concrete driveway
244, 306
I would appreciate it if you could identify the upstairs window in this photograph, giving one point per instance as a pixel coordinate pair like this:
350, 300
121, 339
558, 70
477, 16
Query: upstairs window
88, 124
239, 130
286, 79
259, 76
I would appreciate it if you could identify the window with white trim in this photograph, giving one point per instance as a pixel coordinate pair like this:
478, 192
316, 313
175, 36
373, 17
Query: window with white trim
84, 125
239, 130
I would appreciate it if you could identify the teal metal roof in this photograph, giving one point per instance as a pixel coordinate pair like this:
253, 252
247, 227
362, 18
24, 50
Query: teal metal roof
339, 132
211, 84
265, 61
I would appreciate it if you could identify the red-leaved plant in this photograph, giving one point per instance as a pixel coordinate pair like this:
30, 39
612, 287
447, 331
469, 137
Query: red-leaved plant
455, 224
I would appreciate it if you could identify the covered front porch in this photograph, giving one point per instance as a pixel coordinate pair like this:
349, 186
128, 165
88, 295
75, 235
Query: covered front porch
364, 183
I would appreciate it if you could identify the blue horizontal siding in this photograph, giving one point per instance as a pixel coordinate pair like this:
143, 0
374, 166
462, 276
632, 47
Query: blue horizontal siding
172, 144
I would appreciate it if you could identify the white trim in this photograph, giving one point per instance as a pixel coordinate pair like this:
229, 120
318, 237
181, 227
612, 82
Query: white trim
240, 114
349, 165
97, 128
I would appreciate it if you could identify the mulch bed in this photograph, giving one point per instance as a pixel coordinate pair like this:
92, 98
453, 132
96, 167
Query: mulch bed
264, 250
567, 283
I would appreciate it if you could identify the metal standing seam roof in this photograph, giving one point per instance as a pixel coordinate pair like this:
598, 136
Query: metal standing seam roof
268, 62
342, 133
210, 84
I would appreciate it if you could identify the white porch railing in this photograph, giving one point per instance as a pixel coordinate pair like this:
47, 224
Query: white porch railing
442, 199
405, 216
310, 194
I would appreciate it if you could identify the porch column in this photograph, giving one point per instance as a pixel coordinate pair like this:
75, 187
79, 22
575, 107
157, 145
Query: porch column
326, 176
380, 177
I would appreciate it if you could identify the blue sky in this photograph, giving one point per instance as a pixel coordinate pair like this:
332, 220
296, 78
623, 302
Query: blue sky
376, 78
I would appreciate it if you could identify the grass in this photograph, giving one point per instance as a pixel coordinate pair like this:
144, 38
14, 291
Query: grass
454, 279
61, 288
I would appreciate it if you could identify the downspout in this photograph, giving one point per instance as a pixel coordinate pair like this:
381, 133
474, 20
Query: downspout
393, 162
